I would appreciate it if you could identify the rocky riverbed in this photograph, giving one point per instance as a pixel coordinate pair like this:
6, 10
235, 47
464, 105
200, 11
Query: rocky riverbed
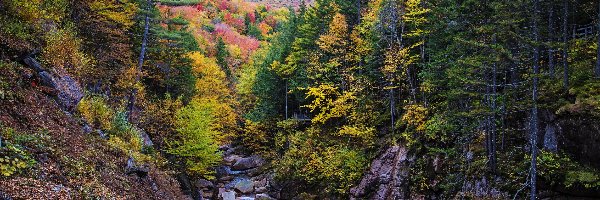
239, 177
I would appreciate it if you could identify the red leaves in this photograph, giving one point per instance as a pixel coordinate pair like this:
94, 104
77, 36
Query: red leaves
247, 44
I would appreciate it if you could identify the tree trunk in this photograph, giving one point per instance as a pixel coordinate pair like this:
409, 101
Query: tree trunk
138, 75
534, 110
565, 45
550, 40
286, 99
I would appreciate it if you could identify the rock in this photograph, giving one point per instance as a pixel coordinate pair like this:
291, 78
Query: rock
227, 195
244, 198
387, 178
87, 129
203, 183
145, 138
133, 168
550, 142
231, 159
207, 195
483, 189
264, 197
248, 163
102, 134
4, 196
68, 90
260, 189
260, 183
226, 178
254, 171
244, 186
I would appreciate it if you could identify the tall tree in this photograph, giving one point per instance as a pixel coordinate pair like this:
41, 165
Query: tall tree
565, 50
138, 73
534, 96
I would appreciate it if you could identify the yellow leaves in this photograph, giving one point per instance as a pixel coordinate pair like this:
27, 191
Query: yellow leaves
416, 117
62, 50
212, 90
336, 37
211, 82
364, 133
96, 111
121, 13
329, 103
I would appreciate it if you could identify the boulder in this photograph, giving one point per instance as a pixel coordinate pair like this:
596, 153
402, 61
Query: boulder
260, 189
68, 91
145, 138
226, 178
203, 183
264, 197
231, 159
248, 163
244, 186
133, 168
227, 195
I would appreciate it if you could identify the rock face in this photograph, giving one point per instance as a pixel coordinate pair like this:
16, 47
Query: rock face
483, 189
68, 91
387, 177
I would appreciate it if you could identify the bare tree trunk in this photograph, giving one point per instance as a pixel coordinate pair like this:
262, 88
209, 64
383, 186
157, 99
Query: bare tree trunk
534, 110
286, 99
550, 40
566, 45
138, 75
493, 121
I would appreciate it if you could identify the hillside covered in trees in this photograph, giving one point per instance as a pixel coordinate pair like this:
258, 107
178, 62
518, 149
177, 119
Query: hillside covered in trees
287, 99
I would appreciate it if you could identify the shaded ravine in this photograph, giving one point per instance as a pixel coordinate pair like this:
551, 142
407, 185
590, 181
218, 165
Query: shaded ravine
239, 177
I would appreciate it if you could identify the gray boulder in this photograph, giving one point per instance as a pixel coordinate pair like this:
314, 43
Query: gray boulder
203, 183
227, 195
244, 186
248, 163
264, 197
68, 91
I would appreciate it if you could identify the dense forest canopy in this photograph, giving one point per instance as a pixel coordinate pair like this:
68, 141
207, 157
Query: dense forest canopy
324, 99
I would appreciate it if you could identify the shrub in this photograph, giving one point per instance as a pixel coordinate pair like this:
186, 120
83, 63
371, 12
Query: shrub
309, 159
14, 156
95, 111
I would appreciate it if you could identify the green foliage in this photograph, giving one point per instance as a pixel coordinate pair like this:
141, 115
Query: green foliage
558, 168
331, 168
15, 150
196, 142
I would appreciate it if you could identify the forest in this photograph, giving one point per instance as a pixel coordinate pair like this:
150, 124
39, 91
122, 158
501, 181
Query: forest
295, 99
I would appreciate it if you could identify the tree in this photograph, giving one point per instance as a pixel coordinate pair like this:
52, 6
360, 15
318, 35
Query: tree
565, 49
196, 142
534, 96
